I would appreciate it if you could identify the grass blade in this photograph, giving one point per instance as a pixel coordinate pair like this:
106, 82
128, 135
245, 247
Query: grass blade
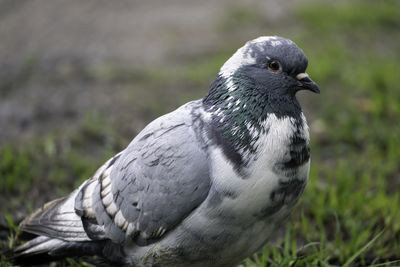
389, 263
360, 251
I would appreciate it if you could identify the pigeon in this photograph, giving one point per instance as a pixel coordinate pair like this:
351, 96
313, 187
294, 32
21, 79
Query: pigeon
204, 185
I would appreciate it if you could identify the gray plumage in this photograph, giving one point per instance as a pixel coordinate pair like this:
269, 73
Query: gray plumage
204, 185
158, 179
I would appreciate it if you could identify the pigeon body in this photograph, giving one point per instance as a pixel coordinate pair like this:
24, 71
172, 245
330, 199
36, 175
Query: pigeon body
204, 185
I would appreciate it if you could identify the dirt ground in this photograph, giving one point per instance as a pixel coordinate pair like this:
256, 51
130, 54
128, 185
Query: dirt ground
48, 47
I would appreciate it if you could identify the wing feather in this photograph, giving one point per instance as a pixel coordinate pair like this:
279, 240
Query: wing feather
160, 178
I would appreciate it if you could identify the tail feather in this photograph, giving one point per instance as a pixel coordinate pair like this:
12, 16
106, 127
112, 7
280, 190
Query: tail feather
56, 231
44, 249
30, 244
36, 251
56, 219
63, 229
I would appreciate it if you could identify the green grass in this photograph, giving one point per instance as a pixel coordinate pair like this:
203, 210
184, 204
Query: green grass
349, 214
55, 163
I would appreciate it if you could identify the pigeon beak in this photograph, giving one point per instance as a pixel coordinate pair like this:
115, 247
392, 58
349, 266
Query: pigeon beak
306, 83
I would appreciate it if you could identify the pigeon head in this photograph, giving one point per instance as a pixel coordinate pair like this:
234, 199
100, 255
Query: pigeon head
264, 74
261, 79
274, 64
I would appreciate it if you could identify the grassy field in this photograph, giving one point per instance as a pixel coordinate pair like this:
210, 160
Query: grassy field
349, 214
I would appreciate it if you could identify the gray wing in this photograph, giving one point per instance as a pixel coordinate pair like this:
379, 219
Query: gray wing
158, 180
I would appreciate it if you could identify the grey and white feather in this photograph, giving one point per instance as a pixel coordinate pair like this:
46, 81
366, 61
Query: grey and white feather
204, 185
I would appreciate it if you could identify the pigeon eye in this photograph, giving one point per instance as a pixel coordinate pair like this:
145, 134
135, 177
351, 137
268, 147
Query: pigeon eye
274, 66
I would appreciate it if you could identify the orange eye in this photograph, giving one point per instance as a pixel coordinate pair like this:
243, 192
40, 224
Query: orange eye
274, 66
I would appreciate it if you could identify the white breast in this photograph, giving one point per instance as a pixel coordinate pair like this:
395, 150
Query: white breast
253, 191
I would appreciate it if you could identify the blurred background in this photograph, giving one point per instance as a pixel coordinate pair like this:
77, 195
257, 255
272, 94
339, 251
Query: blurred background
79, 79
